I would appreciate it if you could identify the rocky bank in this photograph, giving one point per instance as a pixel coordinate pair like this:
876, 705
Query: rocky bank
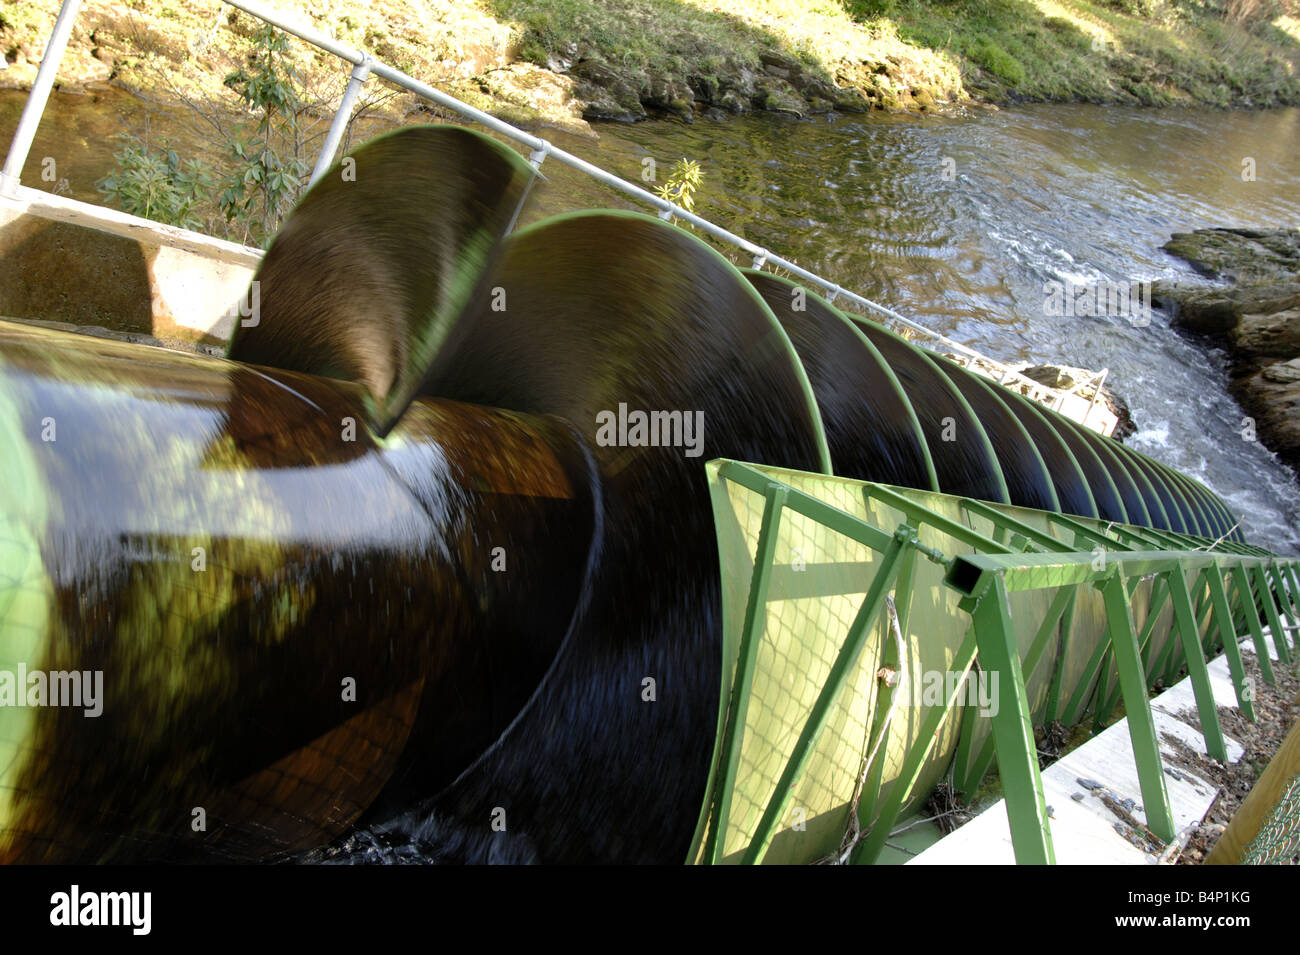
566, 62
1252, 309
526, 70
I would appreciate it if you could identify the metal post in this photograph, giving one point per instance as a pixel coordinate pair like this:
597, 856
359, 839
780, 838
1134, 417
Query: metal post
1054, 691
1107, 698
1285, 590
360, 73
1169, 656
751, 637
1190, 636
1141, 724
1013, 731
1292, 590
1253, 623
1159, 595
1271, 615
36, 99
1228, 633
968, 770
1287, 596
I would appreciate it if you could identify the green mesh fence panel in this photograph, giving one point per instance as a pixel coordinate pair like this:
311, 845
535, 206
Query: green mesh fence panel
1278, 839
824, 577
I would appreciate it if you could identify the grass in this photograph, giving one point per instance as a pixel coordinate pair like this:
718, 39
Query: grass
668, 35
1153, 52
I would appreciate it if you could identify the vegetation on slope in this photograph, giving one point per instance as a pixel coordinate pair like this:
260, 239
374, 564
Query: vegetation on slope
561, 61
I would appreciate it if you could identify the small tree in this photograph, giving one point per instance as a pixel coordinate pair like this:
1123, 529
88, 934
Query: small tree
270, 172
258, 171
682, 183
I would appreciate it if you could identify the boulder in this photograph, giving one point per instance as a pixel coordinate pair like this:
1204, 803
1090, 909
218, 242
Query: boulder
609, 93
1269, 335
1275, 406
1216, 310
1249, 256
534, 89
669, 94
777, 100
775, 60
741, 81
79, 69
732, 100
18, 76
1283, 372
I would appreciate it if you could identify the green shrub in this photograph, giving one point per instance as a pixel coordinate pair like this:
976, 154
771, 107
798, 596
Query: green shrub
266, 169
157, 185
991, 57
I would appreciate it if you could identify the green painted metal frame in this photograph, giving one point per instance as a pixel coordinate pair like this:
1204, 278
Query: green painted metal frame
1189, 574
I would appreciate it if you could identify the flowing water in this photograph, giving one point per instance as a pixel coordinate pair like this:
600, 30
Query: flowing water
1040, 194
957, 221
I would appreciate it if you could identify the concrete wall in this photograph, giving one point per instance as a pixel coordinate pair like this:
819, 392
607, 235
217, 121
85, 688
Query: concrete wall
67, 261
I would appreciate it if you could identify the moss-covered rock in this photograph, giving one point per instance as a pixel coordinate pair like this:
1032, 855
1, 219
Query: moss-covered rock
606, 92
778, 100
1241, 255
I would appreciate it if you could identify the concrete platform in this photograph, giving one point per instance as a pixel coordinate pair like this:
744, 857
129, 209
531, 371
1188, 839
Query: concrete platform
1085, 831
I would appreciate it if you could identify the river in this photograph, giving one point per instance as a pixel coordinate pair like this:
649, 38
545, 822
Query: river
957, 221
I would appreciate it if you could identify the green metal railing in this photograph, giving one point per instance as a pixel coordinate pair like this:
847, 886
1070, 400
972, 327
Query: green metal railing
881, 640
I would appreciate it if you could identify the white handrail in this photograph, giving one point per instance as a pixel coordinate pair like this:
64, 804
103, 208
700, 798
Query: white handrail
34, 108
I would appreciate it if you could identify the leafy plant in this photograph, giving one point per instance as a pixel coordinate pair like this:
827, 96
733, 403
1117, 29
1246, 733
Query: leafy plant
682, 183
156, 184
266, 171
270, 172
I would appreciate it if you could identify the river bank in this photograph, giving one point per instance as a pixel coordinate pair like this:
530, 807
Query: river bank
565, 62
1255, 318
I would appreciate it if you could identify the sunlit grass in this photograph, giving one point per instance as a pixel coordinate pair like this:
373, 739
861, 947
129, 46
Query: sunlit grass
1088, 24
711, 35
1289, 25
1140, 51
